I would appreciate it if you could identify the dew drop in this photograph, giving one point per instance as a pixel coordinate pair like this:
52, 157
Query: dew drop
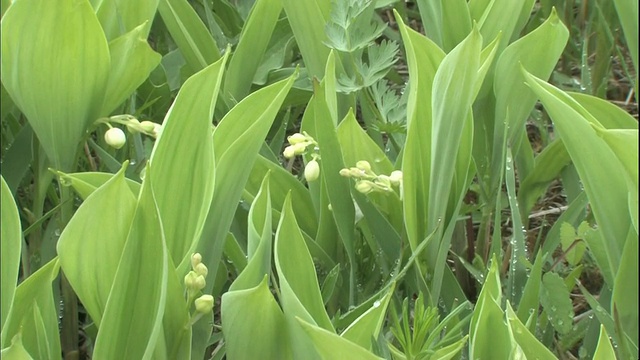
376, 304
56, 232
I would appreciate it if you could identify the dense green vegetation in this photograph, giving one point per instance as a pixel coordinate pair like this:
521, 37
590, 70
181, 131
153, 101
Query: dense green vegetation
314, 179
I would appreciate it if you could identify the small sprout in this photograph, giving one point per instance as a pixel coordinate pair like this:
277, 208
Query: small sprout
312, 170
364, 186
115, 137
204, 304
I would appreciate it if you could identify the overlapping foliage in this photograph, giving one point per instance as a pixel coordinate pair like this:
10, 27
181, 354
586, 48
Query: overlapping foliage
154, 160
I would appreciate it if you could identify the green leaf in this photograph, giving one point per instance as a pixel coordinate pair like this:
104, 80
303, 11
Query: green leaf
132, 60
555, 299
35, 313
136, 305
11, 244
183, 160
488, 334
531, 347
16, 351
118, 17
604, 351
85, 183
253, 43
98, 231
55, 72
190, 34
307, 20
530, 300
368, 325
423, 59
625, 290
298, 282
594, 162
267, 331
329, 344
259, 241
236, 141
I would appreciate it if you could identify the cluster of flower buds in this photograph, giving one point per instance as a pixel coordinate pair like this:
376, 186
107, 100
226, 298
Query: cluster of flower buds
116, 138
298, 145
367, 181
194, 282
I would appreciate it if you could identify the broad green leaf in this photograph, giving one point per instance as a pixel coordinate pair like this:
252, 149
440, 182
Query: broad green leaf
329, 344
55, 72
624, 143
266, 331
85, 183
118, 17
132, 320
299, 286
307, 20
423, 59
609, 115
11, 244
132, 60
259, 240
369, 324
16, 350
555, 299
604, 351
183, 161
456, 23
98, 231
489, 336
189, 33
449, 351
530, 300
538, 52
531, 347
594, 162
337, 186
253, 43
236, 141
33, 310
177, 336
281, 183
628, 13
496, 17
625, 290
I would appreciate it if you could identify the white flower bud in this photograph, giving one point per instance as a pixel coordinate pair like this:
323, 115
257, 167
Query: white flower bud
296, 138
148, 126
300, 148
157, 130
133, 125
345, 172
196, 259
201, 269
289, 152
364, 186
199, 283
312, 170
115, 137
190, 279
396, 177
363, 165
204, 304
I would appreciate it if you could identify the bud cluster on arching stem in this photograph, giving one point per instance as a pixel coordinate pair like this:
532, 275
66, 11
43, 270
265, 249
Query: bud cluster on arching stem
298, 145
116, 138
194, 282
368, 181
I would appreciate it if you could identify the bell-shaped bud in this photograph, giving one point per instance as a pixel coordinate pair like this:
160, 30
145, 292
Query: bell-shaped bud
115, 137
199, 282
201, 269
190, 280
148, 127
396, 177
345, 172
204, 304
363, 165
196, 259
289, 152
364, 186
312, 170
296, 138
133, 125
157, 130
